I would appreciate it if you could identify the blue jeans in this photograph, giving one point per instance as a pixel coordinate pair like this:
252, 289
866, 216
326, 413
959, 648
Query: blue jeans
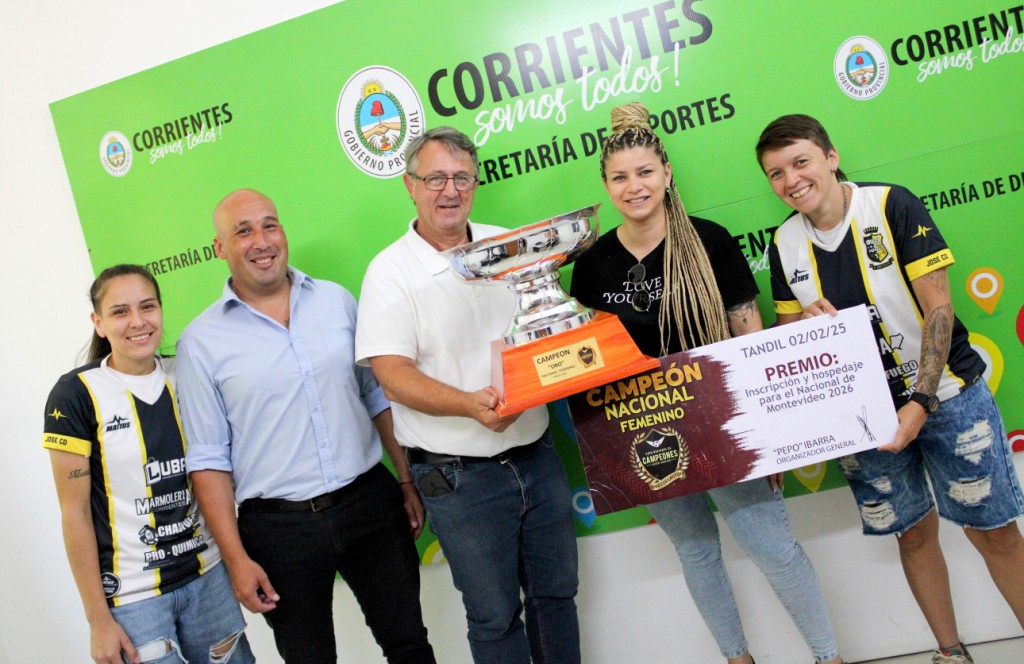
964, 448
757, 518
505, 527
365, 537
186, 623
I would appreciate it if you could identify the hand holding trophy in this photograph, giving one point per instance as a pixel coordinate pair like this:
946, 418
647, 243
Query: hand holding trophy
553, 346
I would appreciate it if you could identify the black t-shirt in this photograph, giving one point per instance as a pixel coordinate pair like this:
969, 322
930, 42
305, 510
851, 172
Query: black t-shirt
599, 280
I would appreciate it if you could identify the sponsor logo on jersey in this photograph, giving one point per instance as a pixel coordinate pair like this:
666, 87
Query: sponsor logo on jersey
798, 276
890, 345
56, 414
111, 584
116, 153
117, 424
160, 470
861, 67
156, 558
167, 501
197, 544
902, 371
149, 535
874, 243
922, 231
378, 114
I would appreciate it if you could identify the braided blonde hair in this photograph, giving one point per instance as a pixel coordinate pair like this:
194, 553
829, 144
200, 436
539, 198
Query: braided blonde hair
690, 284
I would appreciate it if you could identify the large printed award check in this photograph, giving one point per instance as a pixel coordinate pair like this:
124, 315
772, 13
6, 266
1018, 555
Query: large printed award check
736, 410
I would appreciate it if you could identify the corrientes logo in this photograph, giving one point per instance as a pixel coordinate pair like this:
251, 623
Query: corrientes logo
116, 153
378, 114
861, 67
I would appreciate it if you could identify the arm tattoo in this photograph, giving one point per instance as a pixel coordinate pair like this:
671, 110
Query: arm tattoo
78, 472
742, 313
936, 331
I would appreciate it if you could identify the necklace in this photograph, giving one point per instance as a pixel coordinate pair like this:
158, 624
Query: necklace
846, 204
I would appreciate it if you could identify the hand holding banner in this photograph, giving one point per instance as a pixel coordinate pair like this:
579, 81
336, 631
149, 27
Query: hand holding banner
736, 410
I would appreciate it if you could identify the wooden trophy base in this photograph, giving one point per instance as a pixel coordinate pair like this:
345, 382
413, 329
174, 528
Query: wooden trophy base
548, 369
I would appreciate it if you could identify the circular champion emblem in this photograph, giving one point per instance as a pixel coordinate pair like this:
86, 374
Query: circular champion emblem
659, 457
378, 114
116, 153
861, 67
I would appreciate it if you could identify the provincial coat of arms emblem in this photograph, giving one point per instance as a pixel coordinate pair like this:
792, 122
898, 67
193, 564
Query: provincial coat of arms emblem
378, 114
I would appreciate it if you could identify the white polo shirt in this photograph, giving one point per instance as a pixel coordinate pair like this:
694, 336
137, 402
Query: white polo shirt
413, 305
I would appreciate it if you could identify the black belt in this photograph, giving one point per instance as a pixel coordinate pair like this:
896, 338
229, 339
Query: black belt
418, 455
318, 503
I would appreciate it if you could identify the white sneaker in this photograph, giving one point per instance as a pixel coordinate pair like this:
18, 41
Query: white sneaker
939, 657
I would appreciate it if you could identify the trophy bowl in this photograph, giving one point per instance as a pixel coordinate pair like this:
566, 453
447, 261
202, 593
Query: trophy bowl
527, 260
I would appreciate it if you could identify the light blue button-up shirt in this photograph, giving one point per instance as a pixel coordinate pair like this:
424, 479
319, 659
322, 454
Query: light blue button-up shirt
285, 410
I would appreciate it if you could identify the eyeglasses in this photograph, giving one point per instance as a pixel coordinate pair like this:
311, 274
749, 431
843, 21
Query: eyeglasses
439, 182
641, 299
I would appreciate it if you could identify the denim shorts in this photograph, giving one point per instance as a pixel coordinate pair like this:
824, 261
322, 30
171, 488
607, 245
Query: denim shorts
183, 624
964, 449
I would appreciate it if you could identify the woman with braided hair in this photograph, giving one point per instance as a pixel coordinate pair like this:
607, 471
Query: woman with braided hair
677, 282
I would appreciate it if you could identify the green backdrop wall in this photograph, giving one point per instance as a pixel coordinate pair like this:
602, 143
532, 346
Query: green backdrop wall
922, 94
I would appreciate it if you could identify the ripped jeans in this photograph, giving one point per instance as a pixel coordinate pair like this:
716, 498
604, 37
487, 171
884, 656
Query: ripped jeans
198, 623
964, 449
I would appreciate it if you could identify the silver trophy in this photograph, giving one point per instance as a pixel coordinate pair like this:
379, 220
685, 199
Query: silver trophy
527, 259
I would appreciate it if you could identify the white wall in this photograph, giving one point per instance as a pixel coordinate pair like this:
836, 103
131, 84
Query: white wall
633, 603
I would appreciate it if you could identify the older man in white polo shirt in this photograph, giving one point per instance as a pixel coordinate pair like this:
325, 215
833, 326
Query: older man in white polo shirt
494, 488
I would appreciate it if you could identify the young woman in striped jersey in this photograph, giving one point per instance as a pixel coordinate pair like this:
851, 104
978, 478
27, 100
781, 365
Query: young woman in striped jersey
146, 567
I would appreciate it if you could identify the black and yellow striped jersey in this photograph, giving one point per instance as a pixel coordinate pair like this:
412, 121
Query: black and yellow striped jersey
149, 531
887, 240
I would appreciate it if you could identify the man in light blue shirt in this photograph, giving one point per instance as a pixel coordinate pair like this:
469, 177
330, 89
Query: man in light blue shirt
280, 419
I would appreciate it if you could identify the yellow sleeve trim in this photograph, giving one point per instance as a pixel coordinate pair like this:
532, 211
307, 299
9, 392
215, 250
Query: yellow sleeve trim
56, 441
788, 307
940, 259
